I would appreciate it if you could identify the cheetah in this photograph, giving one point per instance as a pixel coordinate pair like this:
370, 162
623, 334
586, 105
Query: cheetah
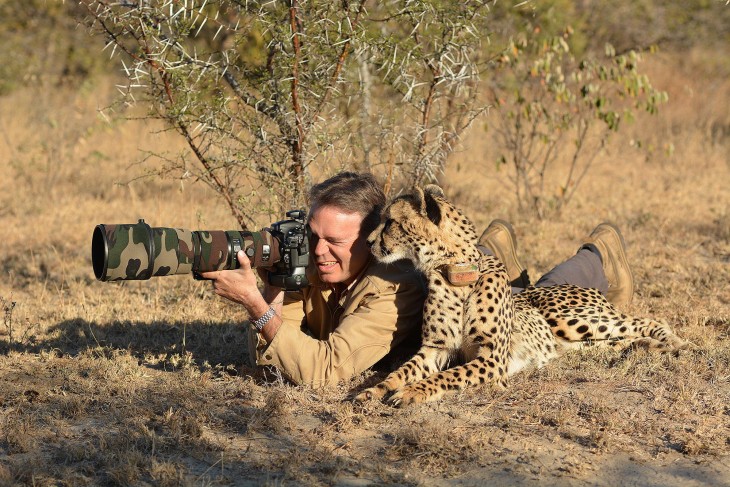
470, 310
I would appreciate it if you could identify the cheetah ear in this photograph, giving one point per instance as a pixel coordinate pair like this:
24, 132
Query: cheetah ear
419, 201
432, 207
434, 190
426, 205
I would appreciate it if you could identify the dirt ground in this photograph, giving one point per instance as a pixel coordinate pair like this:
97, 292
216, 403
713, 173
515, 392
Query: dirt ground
146, 383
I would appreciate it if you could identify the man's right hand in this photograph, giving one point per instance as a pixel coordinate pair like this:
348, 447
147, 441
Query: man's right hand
239, 285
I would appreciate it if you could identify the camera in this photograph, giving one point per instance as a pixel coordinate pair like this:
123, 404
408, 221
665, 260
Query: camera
137, 251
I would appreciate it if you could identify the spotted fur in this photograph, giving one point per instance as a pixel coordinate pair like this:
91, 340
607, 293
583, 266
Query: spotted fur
495, 333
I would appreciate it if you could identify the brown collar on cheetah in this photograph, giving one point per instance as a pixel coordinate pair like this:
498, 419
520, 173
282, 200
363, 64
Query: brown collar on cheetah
461, 274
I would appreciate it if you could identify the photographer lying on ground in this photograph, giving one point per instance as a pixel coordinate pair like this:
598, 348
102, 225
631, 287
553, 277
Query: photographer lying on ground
356, 310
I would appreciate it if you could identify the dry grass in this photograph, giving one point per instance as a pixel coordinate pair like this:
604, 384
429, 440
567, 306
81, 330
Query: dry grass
145, 383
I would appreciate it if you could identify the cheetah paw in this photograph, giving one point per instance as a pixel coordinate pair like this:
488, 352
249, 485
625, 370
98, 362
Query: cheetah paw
372, 393
408, 396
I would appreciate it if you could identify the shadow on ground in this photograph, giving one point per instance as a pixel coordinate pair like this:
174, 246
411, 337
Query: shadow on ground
215, 343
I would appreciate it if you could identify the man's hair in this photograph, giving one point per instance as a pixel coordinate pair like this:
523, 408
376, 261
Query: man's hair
351, 192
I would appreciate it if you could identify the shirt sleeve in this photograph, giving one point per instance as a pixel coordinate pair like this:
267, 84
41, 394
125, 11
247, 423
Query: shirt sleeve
292, 312
382, 320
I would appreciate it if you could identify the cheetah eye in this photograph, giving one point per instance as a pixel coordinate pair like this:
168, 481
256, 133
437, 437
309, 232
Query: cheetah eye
386, 224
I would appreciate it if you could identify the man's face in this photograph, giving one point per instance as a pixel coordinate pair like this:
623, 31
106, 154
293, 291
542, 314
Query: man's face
340, 252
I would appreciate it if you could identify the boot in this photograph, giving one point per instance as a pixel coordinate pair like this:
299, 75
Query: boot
499, 238
609, 242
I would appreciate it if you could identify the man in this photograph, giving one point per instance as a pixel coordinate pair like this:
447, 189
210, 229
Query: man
356, 310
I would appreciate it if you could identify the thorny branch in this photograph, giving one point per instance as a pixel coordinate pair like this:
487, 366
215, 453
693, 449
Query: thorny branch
276, 92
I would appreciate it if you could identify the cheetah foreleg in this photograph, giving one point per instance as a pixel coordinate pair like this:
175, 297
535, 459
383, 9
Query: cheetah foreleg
427, 361
484, 368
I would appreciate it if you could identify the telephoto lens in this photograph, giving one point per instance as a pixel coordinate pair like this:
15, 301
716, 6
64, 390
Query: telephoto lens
137, 251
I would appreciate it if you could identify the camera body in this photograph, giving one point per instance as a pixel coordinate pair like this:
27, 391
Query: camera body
293, 237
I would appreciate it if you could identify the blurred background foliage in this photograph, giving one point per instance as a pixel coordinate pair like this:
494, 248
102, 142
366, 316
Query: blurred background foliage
44, 43
526, 50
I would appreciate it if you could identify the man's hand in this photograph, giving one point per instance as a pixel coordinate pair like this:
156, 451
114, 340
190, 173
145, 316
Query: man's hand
239, 285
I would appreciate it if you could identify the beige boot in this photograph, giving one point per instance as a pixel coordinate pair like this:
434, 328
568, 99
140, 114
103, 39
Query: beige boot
500, 239
610, 243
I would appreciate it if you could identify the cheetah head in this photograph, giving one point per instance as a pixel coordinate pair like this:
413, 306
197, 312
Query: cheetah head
424, 228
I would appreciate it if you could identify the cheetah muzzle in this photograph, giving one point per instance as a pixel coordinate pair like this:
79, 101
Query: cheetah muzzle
497, 333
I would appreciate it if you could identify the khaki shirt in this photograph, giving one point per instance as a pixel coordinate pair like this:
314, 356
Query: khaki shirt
324, 339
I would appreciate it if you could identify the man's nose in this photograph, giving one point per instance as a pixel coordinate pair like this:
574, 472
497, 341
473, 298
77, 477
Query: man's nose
320, 247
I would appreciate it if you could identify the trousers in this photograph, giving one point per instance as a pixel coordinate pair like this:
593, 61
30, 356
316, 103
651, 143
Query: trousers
584, 269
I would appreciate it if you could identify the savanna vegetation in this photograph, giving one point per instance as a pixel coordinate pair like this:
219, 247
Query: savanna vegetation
559, 115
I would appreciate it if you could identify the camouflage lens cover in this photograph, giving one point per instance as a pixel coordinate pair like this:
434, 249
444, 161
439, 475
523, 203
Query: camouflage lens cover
138, 251
218, 249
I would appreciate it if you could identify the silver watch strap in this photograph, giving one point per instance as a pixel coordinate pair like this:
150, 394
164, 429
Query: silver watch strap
259, 323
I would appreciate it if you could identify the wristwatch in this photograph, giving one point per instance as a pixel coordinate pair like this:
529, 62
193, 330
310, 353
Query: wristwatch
259, 323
